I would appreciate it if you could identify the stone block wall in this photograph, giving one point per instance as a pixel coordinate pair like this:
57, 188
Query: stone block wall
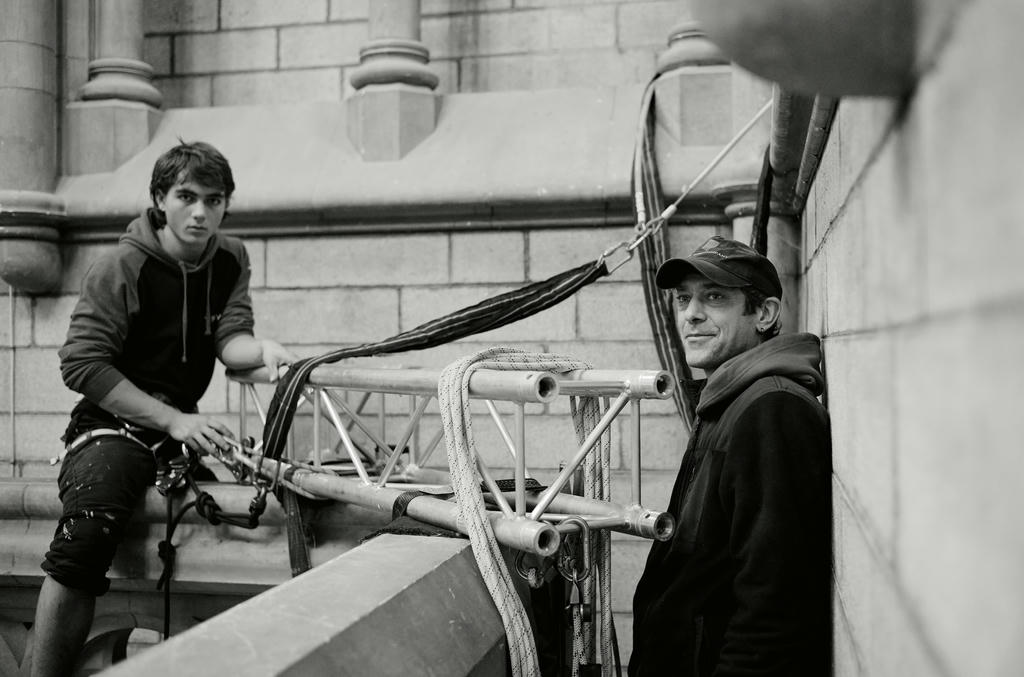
912, 275
232, 52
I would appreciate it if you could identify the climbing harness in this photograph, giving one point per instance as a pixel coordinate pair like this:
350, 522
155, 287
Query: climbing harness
98, 433
181, 477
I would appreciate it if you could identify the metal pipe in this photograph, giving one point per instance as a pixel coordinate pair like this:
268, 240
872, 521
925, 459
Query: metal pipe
537, 537
568, 470
791, 116
492, 486
317, 413
644, 384
817, 135
520, 472
345, 439
36, 499
505, 436
414, 419
355, 418
431, 446
630, 519
12, 382
514, 386
243, 409
634, 475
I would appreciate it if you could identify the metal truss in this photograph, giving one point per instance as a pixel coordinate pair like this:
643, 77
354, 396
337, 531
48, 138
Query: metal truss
526, 517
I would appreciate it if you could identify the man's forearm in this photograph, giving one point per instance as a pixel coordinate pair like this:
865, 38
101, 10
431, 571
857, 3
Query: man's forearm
130, 403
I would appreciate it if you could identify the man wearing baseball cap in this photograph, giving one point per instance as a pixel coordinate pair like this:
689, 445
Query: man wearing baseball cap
743, 585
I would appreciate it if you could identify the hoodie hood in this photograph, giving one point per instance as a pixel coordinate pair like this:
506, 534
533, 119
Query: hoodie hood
141, 234
793, 356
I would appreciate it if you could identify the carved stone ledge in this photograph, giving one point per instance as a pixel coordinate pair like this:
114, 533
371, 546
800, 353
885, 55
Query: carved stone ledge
29, 256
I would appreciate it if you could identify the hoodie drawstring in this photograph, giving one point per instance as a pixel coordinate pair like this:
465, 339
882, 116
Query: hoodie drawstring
184, 311
209, 283
184, 306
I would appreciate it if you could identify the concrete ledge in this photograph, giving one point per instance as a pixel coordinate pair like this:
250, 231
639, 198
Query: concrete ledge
494, 159
397, 605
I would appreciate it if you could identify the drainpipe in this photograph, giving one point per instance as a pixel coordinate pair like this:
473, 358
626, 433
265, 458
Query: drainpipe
12, 367
394, 107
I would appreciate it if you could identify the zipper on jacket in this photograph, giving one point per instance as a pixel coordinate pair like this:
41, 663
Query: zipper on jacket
691, 450
698, 639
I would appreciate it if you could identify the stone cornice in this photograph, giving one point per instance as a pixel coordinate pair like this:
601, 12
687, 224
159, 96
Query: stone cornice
559, 158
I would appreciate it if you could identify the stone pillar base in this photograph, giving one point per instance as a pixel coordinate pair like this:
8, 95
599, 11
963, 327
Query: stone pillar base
102, 135
385, 122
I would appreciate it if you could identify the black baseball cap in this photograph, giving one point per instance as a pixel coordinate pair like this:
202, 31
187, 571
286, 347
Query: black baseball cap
725, 262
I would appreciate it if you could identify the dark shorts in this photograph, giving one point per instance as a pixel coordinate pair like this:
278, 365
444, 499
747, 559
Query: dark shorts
100, 485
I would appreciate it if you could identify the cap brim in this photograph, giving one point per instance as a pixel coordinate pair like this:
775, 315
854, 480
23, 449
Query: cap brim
672, 272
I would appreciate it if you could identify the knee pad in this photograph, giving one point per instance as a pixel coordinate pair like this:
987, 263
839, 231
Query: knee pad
81, 551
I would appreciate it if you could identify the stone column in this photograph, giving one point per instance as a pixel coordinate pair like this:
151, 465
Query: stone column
736, 184
30, 213
394, 107
119, 105
692, 95
784, 240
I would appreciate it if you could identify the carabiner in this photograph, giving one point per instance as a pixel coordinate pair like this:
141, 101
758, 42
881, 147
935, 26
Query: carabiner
584, 537
627, 251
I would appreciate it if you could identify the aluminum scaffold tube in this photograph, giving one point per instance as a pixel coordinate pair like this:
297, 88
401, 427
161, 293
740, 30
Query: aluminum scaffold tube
529, 520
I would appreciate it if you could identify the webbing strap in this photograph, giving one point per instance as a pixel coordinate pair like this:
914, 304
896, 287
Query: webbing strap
646, 186
763, 205
401, 503
488, 314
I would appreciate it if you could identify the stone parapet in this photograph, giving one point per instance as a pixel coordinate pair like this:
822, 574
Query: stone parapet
352, 616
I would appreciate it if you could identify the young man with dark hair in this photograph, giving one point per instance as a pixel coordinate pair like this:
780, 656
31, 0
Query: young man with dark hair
743, 585
152, 317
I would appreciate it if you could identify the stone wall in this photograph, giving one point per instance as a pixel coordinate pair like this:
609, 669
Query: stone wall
230, 52
911, 245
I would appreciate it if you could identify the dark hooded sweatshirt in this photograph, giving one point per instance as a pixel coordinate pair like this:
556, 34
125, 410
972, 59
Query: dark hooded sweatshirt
153, 320
743, 585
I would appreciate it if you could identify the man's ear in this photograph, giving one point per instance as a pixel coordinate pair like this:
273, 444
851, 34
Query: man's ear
769, 314
159, 199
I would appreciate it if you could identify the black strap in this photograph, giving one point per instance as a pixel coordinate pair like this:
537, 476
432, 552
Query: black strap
298, 539
763, 206
488, 314
653, 251
510, 485
401, 503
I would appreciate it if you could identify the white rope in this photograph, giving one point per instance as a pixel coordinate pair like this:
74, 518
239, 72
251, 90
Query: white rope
453, 400
597, 485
